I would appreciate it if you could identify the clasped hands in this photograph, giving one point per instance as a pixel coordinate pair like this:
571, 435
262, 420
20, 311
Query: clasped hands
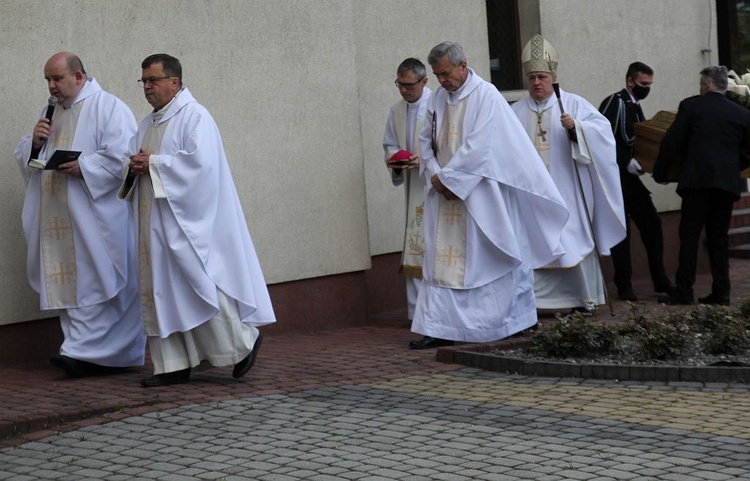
139, 163
442, 190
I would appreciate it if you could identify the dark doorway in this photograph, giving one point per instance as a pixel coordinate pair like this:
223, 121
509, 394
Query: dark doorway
504, 40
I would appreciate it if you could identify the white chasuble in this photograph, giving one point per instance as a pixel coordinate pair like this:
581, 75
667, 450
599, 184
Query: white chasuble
449, 262
58, 247
506, 221
408, 139
587, 177
203, 292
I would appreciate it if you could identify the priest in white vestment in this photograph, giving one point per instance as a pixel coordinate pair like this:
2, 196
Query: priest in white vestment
80, 242
578, 148
202, 289
491, 211
401, 136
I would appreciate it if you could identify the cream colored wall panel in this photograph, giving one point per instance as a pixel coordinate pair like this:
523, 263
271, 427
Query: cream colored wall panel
388, 31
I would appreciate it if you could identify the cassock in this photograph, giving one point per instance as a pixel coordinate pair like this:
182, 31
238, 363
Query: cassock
575, 279
202, 288
80, 244
481, 248
402, 133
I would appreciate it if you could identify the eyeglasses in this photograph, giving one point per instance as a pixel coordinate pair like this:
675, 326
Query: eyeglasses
153, 80
403, 85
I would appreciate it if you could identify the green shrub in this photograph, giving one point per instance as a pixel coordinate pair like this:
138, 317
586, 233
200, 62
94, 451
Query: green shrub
662, 338
714, 330
720, 329
730, 337
575, 335
745, 309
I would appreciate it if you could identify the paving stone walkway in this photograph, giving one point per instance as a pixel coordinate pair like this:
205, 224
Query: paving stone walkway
356, 404
458, 425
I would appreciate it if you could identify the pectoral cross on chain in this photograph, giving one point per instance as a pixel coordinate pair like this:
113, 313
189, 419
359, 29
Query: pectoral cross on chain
540, 131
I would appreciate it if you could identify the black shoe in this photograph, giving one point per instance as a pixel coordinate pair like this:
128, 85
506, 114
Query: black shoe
627, 295
242, 367
668, 289
428, 342
77, 368
714, 300
166, 379
72, 367
675, 300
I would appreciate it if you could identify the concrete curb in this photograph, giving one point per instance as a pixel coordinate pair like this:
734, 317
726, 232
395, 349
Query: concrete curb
483, 357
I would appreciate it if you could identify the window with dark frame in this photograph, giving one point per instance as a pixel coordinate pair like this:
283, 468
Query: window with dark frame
504, 44
733, 22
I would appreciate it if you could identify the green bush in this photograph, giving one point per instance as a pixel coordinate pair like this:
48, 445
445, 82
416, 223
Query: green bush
714, 330
661, 338
745, 309
575, 335
721, 330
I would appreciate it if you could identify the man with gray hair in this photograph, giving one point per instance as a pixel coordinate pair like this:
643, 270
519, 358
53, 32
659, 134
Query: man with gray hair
711, 138
491, 211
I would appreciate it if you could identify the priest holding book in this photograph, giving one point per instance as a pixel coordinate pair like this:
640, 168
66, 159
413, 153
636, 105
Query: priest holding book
80, 244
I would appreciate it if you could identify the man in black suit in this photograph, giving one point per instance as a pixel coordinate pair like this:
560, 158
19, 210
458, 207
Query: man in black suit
623, 110
711, 134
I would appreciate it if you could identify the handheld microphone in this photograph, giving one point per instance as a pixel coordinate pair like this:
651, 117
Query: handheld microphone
51, 104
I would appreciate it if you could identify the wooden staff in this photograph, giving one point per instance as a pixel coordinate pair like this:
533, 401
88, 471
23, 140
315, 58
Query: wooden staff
574, 138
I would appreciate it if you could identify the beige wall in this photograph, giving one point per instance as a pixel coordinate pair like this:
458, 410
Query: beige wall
300, 91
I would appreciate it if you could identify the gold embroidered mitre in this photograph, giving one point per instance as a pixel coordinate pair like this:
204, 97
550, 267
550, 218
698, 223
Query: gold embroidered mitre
539, 56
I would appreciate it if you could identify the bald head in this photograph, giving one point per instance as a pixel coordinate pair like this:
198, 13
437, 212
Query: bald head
65, 77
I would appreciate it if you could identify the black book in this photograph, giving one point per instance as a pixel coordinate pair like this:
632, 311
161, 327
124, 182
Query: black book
58, 157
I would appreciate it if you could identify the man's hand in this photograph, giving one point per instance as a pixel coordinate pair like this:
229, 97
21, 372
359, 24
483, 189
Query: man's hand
567, 121
139, 163
634, 167
443, 190
41, 133
400, 164
70, 168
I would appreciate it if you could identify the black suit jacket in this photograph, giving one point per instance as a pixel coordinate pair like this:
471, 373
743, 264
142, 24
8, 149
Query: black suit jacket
711, 134
623, 114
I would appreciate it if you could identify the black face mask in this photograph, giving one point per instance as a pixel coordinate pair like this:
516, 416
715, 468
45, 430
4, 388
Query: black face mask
640, 92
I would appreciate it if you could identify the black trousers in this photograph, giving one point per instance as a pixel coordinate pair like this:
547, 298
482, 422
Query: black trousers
640, 209
712, 209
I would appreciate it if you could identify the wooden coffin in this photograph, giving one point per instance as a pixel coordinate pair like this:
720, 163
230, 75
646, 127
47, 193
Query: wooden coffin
649, 134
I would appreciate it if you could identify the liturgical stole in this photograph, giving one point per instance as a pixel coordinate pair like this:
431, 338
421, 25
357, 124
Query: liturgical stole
56, 229
151, 143
413, 255
449, 264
